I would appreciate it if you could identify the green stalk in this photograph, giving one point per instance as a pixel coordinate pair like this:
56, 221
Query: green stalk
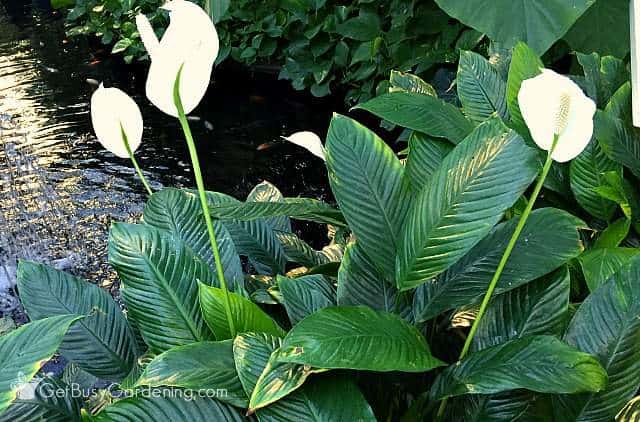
503, 262
125, 139
203, 199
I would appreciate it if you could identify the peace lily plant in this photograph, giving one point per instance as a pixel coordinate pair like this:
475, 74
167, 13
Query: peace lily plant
422, 245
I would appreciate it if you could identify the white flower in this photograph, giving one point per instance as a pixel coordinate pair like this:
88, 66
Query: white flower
308, 140
553, 105
190, 42
113, 111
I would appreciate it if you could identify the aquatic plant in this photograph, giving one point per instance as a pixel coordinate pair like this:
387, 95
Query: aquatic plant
373, 326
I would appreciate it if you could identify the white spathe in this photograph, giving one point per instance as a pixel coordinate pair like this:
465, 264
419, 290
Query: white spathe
309, 141
552, 104
190, 42
111, 108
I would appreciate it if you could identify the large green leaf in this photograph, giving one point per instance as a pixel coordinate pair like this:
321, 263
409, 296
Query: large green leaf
604, 28
420, 112
247, 316
607, 325
102, 343
367, 180
25, 350
306, 295
525, 64
206, 365
179, 213
537, 308
549, 239
466, 197
425, 156
297, 208
360, 283
254, 238
159, 285
537, 363
539, 23
267, 192
481, 90
357, 338
45, 404
600, 264
619, 141
173, 408
586, 174
315, 401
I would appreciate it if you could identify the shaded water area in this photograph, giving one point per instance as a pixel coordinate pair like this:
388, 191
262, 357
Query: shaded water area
60, 191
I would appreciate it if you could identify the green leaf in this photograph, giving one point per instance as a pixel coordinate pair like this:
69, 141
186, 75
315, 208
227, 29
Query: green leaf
253, 238
297, 208
525, 64
206, 365
315, 401
360, 283
357, 338
154, 409
539, 24
59, 4
425, 156
247, 316
300, 252
278, 380
179, 213
604, 28
420, 112
159, 285
507, 406
102, 343
549, 239
365, 27
121, 45
619, 141
217, 9
25, 350
600, 264
607, 325
614, 234
481, 90
251, 352
479, 180
266, 192
587, 173
46, 404
367, 180
538, 363
536, 308
305, 295
406, 82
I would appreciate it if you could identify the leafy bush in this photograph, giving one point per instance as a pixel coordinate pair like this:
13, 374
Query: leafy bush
320, 44
324, 44
413, 245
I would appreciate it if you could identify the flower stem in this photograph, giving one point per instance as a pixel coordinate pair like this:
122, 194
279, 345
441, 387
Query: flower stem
125, 139
203, 200
503, 262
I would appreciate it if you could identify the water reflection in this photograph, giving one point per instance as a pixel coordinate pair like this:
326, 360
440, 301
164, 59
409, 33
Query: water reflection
72, 188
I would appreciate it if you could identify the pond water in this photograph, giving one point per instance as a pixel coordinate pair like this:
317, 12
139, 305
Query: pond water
59, 190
